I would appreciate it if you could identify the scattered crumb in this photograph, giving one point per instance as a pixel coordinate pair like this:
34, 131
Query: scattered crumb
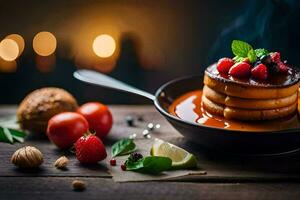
78, 185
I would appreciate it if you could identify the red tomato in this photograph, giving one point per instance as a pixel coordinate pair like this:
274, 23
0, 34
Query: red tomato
99, 118
65, 128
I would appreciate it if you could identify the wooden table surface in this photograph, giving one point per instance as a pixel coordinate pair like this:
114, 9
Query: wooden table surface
228, 177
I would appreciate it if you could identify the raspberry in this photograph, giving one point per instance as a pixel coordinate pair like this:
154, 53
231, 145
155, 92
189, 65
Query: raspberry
275, 57
240, 70
282, 68
113, 162
260, 72
224, 64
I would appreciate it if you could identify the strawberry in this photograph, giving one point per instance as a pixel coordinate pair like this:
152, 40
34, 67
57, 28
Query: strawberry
224, 64
260, 72
90, 149
275, 57
240, 70
282, 68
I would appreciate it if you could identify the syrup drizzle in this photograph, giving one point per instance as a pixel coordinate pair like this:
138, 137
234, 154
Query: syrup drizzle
189, 107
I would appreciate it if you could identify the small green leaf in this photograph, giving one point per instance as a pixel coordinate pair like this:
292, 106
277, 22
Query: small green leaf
123, 147
18, 139
252, 56
11, 135
240, 48
261, 52
8, 135
238, 59
150, 165
3, 138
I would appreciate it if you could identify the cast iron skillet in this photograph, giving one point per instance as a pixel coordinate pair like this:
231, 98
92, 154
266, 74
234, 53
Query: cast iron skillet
236, 142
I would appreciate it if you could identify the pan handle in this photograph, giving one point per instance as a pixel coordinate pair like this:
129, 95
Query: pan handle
97, 78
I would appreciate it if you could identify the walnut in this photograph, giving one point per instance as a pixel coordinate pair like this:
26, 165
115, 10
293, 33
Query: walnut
78, 185
27, 157
61, 163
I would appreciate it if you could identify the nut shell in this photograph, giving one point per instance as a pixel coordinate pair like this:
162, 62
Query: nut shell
40, 105
61, 163
27, 157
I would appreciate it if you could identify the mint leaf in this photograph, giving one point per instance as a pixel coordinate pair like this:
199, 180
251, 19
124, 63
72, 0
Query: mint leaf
8, 135
240, 48
238, 59
123, 147
261, 52
18, 139
11, 135
252, 56
150, 165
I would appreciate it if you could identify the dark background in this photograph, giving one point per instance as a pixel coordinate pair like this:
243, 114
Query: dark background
157, 40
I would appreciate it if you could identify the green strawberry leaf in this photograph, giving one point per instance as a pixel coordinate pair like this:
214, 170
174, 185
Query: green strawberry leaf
252, 56
150, 165
261, 52
123, 147
240, 48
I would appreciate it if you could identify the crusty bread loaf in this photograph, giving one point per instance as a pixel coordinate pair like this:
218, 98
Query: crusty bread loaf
41, 104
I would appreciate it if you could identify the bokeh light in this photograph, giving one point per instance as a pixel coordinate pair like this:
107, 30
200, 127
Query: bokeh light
19, 40
104, 46
9, 49
44, 43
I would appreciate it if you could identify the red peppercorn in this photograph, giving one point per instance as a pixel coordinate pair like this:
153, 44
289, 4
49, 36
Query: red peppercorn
123, 167
113, 162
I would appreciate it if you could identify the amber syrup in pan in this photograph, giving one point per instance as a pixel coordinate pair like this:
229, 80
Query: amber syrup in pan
189, 108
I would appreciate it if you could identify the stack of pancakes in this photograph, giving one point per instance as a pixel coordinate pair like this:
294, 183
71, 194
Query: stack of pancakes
248, 99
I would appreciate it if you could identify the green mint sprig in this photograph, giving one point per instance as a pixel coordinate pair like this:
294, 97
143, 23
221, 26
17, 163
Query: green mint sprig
243, 50
11, 136
123, 147
149, 164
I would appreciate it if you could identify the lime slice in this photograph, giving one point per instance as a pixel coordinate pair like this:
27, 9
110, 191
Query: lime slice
181, 159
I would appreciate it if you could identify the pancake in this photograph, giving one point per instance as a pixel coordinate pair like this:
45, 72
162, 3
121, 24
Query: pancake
246, 114
278, 86
212, 107
243, 114
236, 102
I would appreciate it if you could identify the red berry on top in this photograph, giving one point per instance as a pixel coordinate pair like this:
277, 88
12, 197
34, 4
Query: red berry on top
224, 65
282, 68
240, 70
90, 149
276, 57
260, 72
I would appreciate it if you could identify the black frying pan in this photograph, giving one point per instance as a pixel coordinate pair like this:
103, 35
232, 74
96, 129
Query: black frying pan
239, 142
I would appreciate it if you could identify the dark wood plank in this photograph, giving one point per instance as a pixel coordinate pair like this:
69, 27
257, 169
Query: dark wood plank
227, 168
51, 153
99, 188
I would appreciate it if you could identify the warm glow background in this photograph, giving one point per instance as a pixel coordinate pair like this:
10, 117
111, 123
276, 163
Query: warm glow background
155, 41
